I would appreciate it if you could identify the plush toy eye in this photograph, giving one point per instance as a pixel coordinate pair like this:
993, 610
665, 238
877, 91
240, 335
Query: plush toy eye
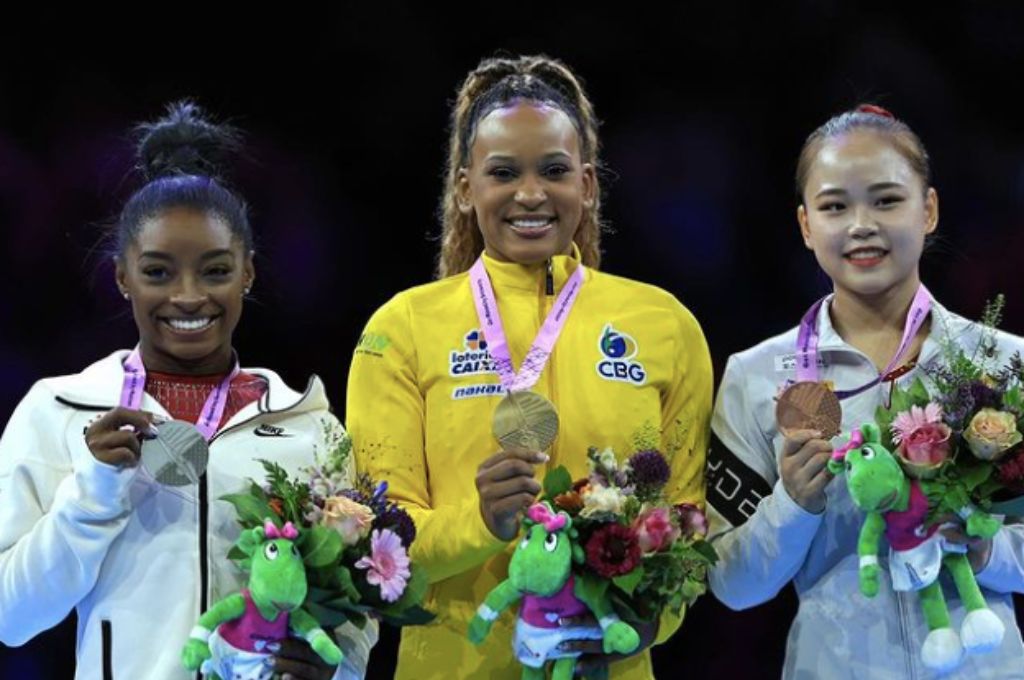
551, 542
525, 542
270, 551
867, 453
849, 466
295, 551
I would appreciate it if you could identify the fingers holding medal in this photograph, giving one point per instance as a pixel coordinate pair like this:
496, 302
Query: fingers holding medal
114, 438
506, 483
808, 416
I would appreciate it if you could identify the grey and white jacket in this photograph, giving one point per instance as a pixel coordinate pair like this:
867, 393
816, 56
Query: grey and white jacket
765, 539
138, 560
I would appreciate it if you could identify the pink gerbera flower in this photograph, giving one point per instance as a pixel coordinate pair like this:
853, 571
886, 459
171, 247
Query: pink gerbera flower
907, 422
388, 564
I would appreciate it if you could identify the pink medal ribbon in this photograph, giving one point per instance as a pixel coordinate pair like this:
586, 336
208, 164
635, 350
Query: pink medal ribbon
807, 341
213, 409
494, 331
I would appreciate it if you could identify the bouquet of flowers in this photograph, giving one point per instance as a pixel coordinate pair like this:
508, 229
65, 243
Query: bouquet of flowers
354, 541
652, 552
961, 427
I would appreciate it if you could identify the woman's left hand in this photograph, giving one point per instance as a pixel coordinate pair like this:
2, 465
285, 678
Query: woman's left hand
296, 660
979, 550
593, 657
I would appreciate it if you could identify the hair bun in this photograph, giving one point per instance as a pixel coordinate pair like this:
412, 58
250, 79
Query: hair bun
876, 110
185, 142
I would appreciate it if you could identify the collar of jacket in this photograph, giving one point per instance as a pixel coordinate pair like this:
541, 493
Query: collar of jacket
531, 276
942, 323
98, 387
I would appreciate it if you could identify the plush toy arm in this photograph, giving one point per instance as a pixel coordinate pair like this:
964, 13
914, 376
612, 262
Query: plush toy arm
979, 522
619, 636
197, 649
303, 623
867, 548
498, 600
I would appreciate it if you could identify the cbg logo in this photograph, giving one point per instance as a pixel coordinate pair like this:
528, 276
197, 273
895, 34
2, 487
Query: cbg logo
619, 350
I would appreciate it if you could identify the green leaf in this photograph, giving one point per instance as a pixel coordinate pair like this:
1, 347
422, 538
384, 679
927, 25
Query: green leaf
321, 547
706, 550
629, 582
557, 482
236, 554
1013, 400
884, 418
326, 617
900, 400
341, 578
413, 616
252, 511
257, 491
919, 393
974, 476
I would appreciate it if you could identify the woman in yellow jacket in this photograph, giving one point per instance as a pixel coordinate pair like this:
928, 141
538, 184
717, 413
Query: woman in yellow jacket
629, 370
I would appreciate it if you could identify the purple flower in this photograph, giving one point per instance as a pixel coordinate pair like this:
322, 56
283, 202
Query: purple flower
650, 471
399, 521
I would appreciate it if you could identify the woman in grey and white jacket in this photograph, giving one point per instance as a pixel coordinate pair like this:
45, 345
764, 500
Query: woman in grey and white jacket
82, 524
777, 514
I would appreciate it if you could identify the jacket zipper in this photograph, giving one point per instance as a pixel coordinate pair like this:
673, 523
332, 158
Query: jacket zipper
107, 649
545, 308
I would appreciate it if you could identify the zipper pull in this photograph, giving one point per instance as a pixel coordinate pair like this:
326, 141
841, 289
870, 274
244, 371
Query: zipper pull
549, 280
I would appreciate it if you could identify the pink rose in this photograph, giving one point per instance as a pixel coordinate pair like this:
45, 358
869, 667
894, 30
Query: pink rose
922, 440
692, 521
654, 530
928, 444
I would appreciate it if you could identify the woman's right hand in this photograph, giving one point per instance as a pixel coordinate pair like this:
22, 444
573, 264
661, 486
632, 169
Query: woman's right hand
506, 485
114, 438
804, 469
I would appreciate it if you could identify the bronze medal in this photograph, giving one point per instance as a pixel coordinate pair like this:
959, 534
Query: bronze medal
809, 406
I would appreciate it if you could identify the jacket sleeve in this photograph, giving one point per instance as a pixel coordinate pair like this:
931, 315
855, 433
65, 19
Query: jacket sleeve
761, 535
355, 642
1004, 572
386, 416
57, 519
686, 411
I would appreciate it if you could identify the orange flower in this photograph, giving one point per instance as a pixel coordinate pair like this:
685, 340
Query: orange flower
276, 505
570, 501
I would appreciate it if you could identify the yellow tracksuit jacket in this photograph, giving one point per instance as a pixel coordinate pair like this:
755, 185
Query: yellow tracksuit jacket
630, 370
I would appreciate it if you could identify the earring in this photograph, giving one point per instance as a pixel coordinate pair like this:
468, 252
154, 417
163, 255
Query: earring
126, 295
247, 291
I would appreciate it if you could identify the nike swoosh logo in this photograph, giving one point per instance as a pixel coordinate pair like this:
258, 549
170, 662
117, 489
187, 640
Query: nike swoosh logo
270, 431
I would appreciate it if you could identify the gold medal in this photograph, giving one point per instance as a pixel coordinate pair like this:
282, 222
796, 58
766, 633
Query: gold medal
525, 420
809, 406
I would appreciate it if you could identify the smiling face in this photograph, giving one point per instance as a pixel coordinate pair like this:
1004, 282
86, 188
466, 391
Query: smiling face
185, 274
865, 214
525, 183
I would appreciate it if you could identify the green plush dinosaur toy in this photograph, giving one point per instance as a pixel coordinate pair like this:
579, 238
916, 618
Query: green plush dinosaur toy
898, 507
540, 574
237, 637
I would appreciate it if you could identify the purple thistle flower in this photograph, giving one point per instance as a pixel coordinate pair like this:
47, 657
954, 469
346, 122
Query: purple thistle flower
650, 470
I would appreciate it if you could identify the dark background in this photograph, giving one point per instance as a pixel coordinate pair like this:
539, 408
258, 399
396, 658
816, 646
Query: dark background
704, 106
